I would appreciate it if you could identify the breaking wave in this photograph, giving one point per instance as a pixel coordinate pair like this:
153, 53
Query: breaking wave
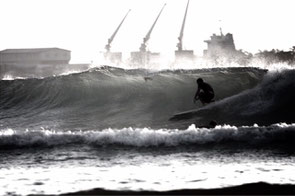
246, 136
111, 97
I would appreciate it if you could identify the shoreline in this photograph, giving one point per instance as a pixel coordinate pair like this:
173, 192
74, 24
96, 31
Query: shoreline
259, 188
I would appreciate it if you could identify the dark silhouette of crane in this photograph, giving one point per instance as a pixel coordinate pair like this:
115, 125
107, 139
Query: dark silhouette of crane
179, 45
180, 53
143, 55
148, 35
114, 56
110, 40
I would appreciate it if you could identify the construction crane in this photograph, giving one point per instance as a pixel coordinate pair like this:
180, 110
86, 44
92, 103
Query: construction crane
179, 44
143, 57
148, 35
180, 54
110, 40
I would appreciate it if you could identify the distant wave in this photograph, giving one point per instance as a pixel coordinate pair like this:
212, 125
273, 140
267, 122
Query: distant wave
272, 136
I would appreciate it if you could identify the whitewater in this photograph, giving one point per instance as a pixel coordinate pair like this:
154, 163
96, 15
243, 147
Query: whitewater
113, 128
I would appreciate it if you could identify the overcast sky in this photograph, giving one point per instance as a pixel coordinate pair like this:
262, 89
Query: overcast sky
83, 26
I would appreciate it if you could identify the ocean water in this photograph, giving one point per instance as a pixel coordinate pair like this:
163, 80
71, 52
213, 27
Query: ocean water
112, 128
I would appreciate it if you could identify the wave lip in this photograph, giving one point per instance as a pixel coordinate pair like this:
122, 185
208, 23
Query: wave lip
282, 135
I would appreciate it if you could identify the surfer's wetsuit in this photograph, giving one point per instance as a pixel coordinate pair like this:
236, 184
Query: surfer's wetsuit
205, 92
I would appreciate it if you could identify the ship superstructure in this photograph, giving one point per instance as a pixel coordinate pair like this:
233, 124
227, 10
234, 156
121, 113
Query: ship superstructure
220, 46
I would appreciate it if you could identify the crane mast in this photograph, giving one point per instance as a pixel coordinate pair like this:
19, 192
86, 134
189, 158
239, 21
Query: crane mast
147, 37
108, 46
179, 44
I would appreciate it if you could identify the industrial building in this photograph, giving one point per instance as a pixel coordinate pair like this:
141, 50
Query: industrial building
35, 56
219, 47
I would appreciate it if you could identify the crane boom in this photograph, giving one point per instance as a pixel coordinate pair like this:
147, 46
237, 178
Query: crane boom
108, 46
179, 44
147, 37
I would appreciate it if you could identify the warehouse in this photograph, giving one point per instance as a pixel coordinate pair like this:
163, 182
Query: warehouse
36, 56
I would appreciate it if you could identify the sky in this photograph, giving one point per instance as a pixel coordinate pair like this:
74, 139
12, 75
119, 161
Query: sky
84, 26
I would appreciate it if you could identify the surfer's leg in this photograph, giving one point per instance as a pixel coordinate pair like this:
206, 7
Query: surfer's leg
202, 97
208, 97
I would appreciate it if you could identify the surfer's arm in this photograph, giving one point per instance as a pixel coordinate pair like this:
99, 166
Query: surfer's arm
197, 95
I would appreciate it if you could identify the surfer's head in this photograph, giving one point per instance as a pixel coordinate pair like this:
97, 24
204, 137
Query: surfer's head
200, 81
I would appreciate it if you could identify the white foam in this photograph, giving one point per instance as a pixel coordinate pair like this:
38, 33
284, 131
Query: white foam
10, 77
145, 137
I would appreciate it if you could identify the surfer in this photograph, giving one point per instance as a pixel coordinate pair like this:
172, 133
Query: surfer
205, 92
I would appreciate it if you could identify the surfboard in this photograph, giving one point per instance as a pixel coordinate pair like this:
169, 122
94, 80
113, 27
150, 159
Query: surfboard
189, 114
184, 115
